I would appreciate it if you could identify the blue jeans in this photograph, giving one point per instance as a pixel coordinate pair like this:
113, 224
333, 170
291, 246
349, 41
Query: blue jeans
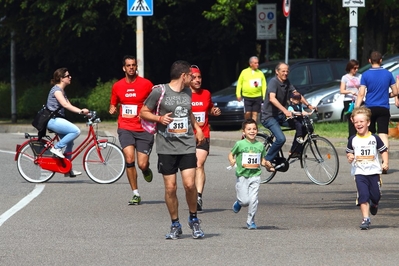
274, 125
67, 133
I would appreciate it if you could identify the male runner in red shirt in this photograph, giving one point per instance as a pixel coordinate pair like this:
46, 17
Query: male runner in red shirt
130, 93
202, 106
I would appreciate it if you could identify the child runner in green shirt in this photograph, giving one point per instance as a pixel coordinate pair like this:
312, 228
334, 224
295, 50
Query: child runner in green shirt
249, 155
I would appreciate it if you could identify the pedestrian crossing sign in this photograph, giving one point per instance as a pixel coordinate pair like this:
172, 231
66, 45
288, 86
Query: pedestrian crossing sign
140, 8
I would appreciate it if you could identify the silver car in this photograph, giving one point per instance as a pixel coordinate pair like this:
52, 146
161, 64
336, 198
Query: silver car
329, 101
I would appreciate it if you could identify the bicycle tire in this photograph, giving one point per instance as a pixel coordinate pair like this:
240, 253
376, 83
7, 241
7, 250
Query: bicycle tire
320, 160
265, 176
109, 168
28, 169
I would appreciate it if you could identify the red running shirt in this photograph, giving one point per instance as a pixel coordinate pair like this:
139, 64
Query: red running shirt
130, 97
202, 104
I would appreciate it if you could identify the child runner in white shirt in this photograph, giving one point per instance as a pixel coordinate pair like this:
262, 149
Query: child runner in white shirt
362, 152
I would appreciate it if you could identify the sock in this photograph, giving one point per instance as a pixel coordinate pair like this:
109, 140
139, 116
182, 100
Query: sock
193, 215
366, 218
136, 192
175, 221
199, 195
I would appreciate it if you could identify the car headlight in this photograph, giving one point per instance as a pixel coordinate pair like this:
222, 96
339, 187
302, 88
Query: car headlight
331, 98
235, 104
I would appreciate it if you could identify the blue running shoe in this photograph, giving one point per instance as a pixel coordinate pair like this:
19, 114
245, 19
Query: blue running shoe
236, 207
252, 226
373, 208
175, 231
194, 224
365, 224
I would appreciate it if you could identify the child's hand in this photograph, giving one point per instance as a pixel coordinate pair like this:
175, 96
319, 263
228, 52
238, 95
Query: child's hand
350, 157
232, 162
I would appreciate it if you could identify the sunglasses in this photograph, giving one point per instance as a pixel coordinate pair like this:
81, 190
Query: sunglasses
67, 76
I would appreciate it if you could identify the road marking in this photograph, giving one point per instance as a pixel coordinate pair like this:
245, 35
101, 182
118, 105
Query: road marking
22, 203
10, 152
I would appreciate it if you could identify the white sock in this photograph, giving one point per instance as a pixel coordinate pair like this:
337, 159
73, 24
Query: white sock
136, 192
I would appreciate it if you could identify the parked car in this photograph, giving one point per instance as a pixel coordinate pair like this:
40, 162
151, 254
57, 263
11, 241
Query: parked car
305, 74
330, 104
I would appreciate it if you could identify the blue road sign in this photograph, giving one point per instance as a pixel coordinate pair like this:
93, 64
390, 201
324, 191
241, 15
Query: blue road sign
140, 8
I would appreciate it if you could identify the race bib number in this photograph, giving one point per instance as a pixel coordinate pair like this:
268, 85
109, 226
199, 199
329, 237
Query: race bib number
178, 126
129, 110
251, 160
365, 154
200, 117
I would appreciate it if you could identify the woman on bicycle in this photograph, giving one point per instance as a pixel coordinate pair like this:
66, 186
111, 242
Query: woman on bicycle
66, 130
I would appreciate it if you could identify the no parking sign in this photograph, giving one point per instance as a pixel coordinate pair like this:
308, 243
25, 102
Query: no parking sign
266, 27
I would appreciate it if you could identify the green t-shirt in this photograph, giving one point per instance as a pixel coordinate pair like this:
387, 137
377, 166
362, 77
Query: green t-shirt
248, 157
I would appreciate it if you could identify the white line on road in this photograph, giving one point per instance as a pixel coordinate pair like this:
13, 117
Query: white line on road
22, 203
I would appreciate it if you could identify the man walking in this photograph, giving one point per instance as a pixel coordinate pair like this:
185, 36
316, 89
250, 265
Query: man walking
251, 86
176, 143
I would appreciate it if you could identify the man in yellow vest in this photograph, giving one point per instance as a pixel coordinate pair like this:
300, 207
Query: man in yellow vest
251, 87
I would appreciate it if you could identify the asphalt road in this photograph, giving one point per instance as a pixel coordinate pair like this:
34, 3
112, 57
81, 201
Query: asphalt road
77, 222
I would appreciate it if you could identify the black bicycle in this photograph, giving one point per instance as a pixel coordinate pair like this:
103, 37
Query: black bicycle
318, 156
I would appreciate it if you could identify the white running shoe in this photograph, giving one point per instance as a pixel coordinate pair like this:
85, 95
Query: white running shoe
72, 173
57, 152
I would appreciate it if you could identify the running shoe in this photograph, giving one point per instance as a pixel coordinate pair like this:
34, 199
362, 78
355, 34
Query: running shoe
194, 224
135, 200
175, 231
252, 226
373, 208
199, 204
365, 224
148, 175
236, 207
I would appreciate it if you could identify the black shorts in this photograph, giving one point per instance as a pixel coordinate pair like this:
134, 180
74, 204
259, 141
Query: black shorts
252, 104
143, 141
381, 117
205, 145
169, 164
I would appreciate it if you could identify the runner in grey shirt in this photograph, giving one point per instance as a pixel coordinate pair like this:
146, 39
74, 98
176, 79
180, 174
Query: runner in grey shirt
175, 143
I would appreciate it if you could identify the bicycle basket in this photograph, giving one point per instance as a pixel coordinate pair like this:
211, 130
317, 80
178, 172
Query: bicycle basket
308, 124
38, 147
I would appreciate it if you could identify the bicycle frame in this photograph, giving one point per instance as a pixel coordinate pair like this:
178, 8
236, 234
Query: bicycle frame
56, 164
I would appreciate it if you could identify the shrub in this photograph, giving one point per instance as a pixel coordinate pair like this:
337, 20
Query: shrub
99, 98
32, 100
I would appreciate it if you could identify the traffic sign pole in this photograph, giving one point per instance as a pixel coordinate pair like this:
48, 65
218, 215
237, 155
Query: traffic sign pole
286, 11
140, 8
140, 45
353, 18
353, 33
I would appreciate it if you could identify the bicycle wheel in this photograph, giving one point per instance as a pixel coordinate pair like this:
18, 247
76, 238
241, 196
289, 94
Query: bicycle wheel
320, 160
104, 163
265, 176
27, 167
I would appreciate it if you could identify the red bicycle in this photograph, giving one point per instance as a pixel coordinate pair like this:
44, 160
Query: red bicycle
103, 160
